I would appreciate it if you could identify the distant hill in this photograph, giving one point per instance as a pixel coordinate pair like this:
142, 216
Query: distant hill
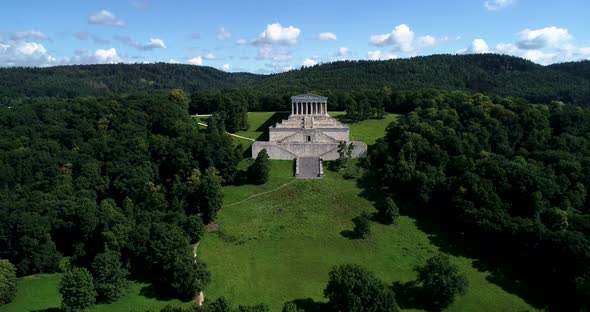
485, 73
108, 79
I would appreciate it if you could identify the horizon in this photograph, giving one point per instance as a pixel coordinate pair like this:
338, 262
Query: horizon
266, 38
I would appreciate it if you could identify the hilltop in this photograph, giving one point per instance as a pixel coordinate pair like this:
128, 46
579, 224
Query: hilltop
486, 73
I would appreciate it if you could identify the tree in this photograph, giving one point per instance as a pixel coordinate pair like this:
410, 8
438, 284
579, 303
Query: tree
77, 290
362, 225
344, 155
178, 97
7, 281
211, 195
109, 277
352, 288
389, 212
440, 281
194, 228
291, 307
185, 276
259, 170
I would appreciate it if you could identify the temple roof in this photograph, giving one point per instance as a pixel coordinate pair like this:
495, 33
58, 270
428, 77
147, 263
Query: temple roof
308, 97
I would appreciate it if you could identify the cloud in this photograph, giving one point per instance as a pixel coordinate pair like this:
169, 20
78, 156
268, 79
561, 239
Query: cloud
497, 4
85, 36
29, 35
477, 46
276, 54
377, 55
107, 56
277, 34
223, 34
548, 37
225, 67
343, 51
242, 41
22, 53
327, 36
196, 61
106, 18
153, 43
403, 39
309, 62
209, 56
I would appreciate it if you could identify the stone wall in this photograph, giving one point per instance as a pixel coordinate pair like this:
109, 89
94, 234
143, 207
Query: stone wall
288, 151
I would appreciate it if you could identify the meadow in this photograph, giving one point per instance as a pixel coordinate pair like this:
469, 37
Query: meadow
278, 241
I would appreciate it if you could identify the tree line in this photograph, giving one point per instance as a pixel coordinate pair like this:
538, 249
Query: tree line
506, 178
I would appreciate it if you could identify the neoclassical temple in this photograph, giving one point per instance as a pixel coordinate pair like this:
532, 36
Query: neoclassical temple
308, 132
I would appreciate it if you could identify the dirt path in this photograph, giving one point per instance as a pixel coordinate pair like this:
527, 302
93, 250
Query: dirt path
234, 135
260, 194
195, 246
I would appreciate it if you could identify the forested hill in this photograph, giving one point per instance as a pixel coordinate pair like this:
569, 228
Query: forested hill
111, 79
487, 73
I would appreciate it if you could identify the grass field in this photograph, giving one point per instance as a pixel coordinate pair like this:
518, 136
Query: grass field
40, 293
277, 242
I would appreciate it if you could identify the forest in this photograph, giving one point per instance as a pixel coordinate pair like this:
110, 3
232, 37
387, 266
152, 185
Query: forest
114, 187
485, 73
506, 180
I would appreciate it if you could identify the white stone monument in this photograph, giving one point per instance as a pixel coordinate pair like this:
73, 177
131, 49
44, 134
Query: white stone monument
308, 132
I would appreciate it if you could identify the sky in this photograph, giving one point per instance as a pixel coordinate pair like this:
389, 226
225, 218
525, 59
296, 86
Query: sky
275, 36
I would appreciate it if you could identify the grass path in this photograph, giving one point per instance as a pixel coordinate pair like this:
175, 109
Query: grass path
260, 194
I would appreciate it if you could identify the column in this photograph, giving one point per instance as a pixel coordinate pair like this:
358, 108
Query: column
304, 108
313, 108
292, 108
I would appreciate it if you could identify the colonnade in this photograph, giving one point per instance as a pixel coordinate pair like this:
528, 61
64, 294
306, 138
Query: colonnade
309, 108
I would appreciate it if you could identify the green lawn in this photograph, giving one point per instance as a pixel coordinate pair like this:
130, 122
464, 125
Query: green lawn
40, 293
280, 246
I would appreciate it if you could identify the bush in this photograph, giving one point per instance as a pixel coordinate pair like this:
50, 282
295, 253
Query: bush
362, 225
7, 281
77, 290
389, 212
109, 277
259, 171
352, 288
440, 281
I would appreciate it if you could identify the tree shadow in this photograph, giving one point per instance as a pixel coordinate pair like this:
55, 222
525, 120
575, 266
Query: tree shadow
409, 296
54, 309
309, 305
152, 292
274, 119
349, 234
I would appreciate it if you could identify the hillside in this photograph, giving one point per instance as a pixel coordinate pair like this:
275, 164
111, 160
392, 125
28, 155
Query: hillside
487, 73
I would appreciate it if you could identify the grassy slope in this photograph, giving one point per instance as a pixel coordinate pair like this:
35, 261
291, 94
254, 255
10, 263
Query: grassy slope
280, 246
40, 292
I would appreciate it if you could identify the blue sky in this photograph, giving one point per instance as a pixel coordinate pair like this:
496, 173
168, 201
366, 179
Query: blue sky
273, 36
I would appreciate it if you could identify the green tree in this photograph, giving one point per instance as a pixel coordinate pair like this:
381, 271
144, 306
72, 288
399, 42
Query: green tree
77, 290
7, 281
194, 228
291, 307
109, 277
211, 192
389, 212
440, 281
185, 276
178, 97
362, 225
352, 288
260, 169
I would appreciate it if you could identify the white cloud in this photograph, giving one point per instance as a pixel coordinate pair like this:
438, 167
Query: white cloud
209, 56
225, 67
327, 36
309, 62
223, 34
275, 33
242, 41
29, 35
477, 46
276, 54
153, 43
343, 51
107, 56
494, 5
107, 18
548, 37
377, 55
403, 39
173, 61
25, 54
196, 61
